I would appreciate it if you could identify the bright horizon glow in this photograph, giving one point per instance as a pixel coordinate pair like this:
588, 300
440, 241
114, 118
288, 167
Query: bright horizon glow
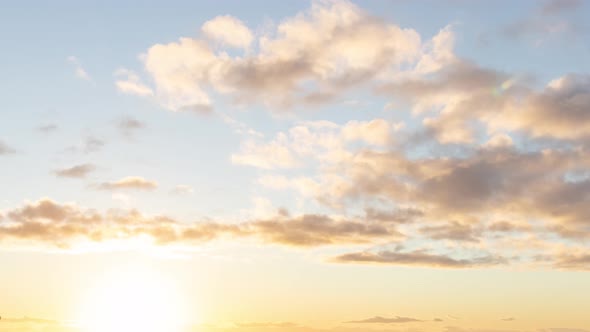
133, 300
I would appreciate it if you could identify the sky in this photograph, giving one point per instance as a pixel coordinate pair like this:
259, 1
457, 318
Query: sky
295, 166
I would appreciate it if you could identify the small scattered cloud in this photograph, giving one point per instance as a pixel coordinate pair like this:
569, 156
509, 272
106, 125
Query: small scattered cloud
79, 70
6, 149
77, 171
182, 189
128, 126
508, 319
89, 144
130, 182
129, 82
48, 128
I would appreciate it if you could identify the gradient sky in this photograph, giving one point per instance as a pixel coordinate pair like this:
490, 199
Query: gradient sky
296, 165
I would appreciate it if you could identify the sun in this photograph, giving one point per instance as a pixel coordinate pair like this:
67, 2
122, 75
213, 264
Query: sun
133, 300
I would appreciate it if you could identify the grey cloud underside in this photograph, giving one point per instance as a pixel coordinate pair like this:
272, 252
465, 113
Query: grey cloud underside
78, 171
418, 258
5, 148
61, 225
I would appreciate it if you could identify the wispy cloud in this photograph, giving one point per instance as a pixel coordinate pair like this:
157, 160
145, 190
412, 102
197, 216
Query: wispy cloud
130, 83
418, 258
130, 182
128, 126
79, 70
77, 171
48, 128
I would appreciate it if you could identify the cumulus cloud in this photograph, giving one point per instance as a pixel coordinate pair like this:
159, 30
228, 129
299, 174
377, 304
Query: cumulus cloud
130, 182
229, 31
311, 139
308, 59
77, 171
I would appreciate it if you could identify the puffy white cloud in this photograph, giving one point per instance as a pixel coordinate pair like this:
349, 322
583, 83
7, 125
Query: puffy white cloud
307, 59
311, 139
228, 30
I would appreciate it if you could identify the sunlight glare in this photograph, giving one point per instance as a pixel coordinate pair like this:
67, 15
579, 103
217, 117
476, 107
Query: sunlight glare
133, 301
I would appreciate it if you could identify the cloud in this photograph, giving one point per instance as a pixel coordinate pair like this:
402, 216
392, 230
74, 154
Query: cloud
47, 129
130, 83
400, 215
418, 258
508, 319
451, 231
383, 320
79, 70
182, 189
310, 139
306, 60
313, 230
546, 22
228, 30
5, 149
47, 223
128, 126
268, 156
130, 182
63, 225
88, 145
77, 171
552, 7
574, 261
